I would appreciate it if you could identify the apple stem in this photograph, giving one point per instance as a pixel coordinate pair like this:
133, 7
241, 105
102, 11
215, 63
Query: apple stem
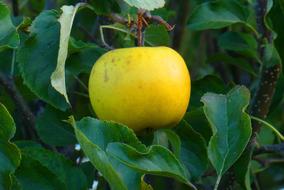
140, 27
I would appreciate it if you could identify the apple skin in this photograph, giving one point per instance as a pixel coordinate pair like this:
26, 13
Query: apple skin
141, 87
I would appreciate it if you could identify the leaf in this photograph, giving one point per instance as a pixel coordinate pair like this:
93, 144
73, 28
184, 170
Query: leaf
90, 172
193, 150
231, 127
275, 16
197, 120
98, 138
156, 35
66, 21
8, 34
217, 14
157, 160
31, 175
94, 136
145, 186
9, 153
237, 61
52, 129
37, 57
103, 7
71, 176
82, 56
146, 4
172, 137
239, 42
242, 169
199, 87
271, 56
8, 129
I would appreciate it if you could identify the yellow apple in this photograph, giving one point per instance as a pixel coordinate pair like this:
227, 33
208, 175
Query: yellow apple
141, 87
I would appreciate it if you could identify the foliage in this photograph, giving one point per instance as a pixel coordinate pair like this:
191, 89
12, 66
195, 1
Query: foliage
50, 138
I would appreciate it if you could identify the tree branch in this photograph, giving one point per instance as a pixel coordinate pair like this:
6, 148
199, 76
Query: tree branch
275, 148
269, 75
267, 162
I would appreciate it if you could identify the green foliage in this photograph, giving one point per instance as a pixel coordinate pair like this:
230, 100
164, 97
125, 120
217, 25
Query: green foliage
218, 14
53, 130
146, 4
230, 125
8, 34
9, 153
37, 58
193, 150
111, 155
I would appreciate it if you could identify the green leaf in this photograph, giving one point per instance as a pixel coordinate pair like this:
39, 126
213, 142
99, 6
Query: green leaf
82, 56
172, 137
9, 153
199, 87
90, 172
71, 176
146, 4
52, 129
231, 127
37, 57
145, 186
103, 7
66, 21
31, 175
197, 120
242, 169
98, 140
8, 33
156, 35
239, 42
276, 15
7, 125
271, 56
217, 14
94, 136
237, 61
193, 150
157, 160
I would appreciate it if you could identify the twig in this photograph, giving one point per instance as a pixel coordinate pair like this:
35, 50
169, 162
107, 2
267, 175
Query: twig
158, 19
118, 19
27, 116
140, 27
275, 148
267, 162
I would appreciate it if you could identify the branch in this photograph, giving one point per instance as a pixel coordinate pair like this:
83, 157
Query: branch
269, 161
27, 116
269, 75
119, 19
275, 148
